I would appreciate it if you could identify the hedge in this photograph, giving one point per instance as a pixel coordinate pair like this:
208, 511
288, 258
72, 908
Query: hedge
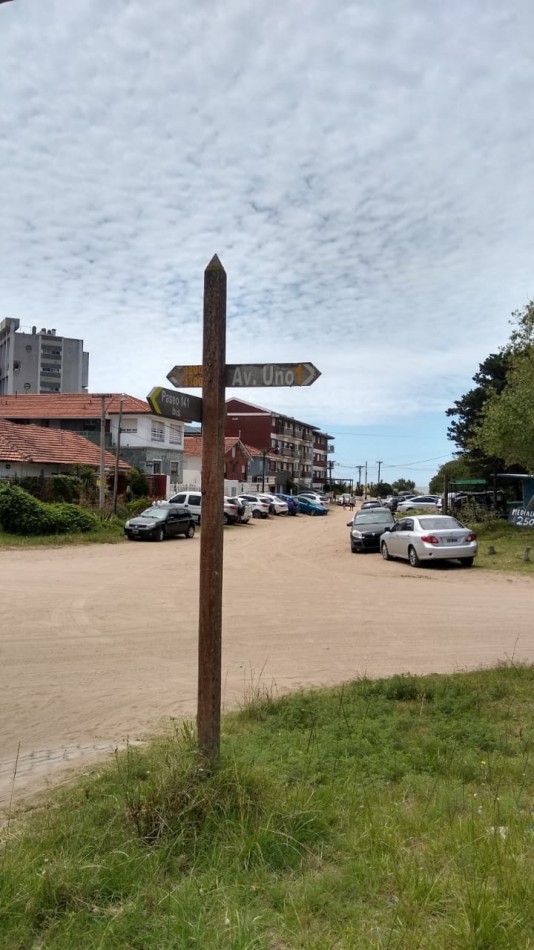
21, 513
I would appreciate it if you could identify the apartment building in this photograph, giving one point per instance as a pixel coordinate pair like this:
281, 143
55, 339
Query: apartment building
294, 451
40, 361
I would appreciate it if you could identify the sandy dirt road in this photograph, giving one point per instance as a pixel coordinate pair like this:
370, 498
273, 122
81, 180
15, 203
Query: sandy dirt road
98, 643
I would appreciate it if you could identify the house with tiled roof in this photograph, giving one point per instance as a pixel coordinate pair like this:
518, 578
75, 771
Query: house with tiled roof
146, 441
237, 459
39, 451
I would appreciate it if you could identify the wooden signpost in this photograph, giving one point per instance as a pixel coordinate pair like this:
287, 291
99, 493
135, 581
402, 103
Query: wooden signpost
213, 375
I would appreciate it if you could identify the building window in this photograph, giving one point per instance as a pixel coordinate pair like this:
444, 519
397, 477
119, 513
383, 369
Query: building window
175, 435
174, 469
129, 425
156, 466
157, 432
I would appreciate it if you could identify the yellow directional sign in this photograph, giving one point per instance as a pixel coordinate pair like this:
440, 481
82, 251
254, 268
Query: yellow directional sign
173, 405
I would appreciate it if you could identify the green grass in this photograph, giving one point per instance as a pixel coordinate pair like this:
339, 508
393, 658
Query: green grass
509, 542
396, 813
110, 532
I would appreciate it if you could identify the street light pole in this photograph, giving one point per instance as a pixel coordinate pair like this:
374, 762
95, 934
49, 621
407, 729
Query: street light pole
117, 453
264, 453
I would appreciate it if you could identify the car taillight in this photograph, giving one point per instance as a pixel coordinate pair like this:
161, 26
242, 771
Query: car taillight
471, 537
430, 539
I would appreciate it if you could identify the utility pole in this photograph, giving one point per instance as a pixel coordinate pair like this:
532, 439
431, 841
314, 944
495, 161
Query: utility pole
331, 467
379, 467
365, 489
264, 455
359, 467
101, 498
117, 451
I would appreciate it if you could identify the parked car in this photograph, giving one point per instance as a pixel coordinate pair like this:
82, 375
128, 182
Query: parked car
232, 510
315, 496
290, 500
244, 510
420, 501
370, 504
276, 505
309, 506
367, 527
159, 522
344, 499
393, 502
258, 508
429, 538
190, 498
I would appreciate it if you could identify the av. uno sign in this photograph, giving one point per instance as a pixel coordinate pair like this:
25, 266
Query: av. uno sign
521, 517
250, 374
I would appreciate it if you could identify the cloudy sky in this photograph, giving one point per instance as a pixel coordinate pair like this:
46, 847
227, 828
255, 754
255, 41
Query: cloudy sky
365, 172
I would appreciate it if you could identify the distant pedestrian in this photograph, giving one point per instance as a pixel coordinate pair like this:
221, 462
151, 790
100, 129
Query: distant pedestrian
352, 502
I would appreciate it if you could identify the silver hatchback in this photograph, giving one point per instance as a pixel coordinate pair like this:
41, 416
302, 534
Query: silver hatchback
429, 538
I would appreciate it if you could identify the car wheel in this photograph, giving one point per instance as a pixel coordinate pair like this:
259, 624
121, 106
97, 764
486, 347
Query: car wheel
412, 557
256, 514
384, 551
190, 533
467, 562
354, 549
226, 519
160, 534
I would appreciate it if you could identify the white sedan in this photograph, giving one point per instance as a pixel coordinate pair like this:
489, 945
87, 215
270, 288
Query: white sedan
429, 502
276, 505
429, 538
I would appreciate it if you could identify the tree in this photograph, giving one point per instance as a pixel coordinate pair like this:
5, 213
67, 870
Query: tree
491, 379
403, 484
456, 468
506, 428
505, 424
467, 414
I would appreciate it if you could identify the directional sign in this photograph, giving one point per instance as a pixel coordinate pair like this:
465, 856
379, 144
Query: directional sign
173, 405
250, 374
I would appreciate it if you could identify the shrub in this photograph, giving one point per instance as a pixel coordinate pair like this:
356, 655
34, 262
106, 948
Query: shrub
21, 513
138, 484
135, 508
65, 488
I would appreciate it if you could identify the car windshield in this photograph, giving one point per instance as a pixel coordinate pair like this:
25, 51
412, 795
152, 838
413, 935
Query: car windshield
373, 517
436, 524
154, 514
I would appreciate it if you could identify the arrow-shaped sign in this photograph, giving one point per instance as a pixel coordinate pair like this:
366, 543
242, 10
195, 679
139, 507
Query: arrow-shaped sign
250, 374
173, 405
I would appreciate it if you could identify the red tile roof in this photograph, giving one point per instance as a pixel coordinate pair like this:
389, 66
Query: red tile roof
27, 443
193, 445
68, 405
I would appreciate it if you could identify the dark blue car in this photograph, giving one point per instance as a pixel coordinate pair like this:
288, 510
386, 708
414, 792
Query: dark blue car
290, 501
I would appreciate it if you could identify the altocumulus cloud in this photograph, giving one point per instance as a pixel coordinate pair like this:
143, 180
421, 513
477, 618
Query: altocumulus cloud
363, 171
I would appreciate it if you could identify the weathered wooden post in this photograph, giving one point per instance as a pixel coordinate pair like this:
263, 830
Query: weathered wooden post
211, 535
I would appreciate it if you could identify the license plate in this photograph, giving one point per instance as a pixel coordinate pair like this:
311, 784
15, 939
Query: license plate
451, 540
